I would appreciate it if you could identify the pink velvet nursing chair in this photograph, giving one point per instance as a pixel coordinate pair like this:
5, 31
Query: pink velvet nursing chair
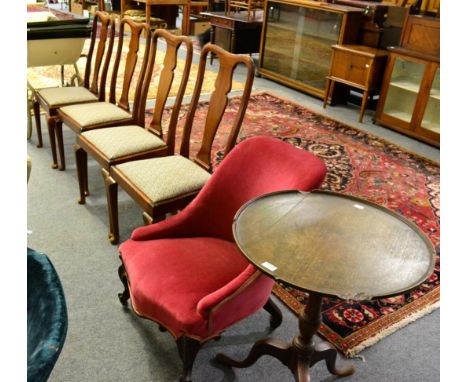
186, 272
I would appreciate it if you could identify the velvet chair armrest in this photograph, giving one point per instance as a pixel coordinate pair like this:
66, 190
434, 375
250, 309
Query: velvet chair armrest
183, 224
241, 297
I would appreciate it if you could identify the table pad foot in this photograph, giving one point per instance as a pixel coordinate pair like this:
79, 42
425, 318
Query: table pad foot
267, 346
326, 351
299, 361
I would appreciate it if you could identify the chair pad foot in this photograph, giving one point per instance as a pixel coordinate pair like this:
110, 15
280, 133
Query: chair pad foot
112, 239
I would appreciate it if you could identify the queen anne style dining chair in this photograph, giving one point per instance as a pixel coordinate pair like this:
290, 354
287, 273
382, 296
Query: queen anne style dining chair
114, 112
186, 273
167, 184
114, 145
93, 89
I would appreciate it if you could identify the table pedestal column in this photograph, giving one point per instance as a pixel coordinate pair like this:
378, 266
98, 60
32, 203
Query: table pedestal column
302, 353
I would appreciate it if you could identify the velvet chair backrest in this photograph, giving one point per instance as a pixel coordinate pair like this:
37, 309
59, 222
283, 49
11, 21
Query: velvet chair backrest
47, 317
254, 167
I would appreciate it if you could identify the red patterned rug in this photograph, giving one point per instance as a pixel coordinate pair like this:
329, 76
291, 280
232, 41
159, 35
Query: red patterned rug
359, 164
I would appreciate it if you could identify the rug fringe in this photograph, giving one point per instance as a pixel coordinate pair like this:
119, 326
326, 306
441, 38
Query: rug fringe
352, 353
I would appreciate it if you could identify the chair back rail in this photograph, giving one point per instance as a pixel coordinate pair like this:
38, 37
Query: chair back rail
217, 104
165, 83
104, 51
130, 64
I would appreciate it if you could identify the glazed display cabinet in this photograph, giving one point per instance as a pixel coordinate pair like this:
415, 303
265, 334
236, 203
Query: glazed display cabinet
410, 96
410, 99
297, 36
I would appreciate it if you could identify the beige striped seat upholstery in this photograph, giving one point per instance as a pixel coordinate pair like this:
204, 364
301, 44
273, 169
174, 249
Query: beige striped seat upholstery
95, 113
66, 95
165, 178
121, 141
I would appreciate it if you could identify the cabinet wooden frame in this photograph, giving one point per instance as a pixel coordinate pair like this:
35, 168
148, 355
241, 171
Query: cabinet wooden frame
412, 128
357, 66
349, 33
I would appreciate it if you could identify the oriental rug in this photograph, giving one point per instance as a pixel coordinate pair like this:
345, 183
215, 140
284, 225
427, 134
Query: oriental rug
359, 164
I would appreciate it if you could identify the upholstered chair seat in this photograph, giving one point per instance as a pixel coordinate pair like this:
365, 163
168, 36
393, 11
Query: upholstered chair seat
200, 275
122, 141
91, 114
164, 178
57, 97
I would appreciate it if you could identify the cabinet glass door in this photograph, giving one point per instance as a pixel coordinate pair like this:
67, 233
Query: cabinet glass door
403, 89
431, 119
298, 42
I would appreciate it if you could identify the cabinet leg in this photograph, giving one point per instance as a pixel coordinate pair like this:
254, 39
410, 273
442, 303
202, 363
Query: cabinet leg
365, 96
232, 44
327, 91
212, 37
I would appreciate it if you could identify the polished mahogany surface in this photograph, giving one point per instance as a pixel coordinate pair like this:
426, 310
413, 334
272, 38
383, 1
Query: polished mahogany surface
333, 244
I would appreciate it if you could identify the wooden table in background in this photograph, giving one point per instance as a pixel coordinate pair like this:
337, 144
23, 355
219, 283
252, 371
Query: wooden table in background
125, 4
236, 32
327, 244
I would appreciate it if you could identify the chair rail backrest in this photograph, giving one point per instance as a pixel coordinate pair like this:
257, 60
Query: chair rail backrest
165, 82
217, 104
95, 76
134, 58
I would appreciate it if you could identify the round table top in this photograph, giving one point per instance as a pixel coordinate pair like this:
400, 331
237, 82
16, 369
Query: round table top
333, 244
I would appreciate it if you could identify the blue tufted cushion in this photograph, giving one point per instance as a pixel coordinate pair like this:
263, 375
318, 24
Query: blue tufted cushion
47, 317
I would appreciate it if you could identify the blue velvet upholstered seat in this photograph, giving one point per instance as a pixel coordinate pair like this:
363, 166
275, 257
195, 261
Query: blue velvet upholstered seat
47, 317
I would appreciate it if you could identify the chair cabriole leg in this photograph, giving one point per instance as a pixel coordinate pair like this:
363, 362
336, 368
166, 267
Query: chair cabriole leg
59, 136
53, 146
125, 295
188, 350
111, 192
37, 119
81, 164
276, 315
147, 218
